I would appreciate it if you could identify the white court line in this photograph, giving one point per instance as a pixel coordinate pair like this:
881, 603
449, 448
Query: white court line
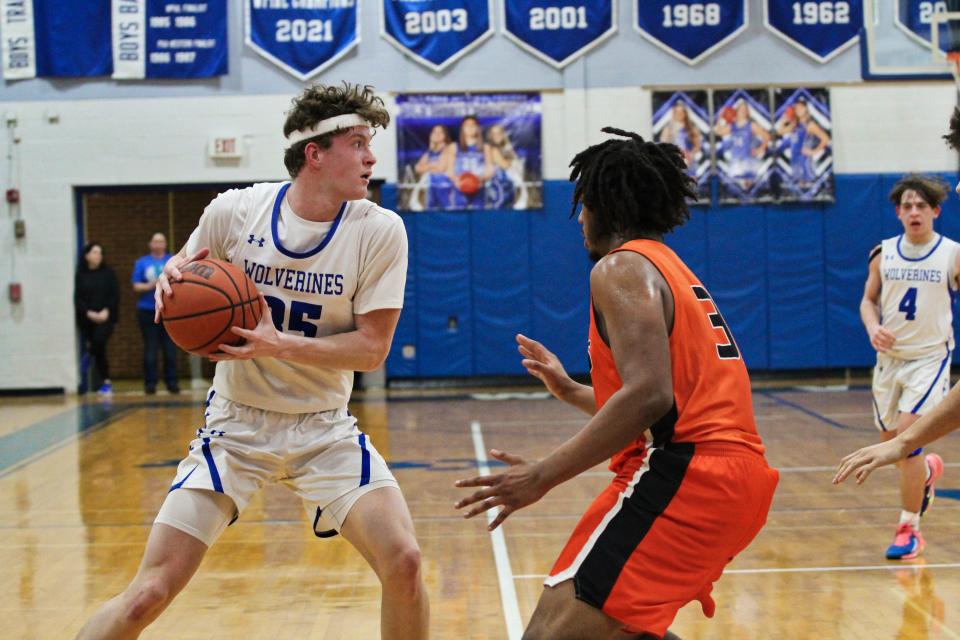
508, 593
876, 567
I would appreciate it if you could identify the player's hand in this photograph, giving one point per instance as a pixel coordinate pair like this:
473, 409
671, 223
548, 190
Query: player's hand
864, 461
882, 339
171, 273
542, 364
520, 486
263, 341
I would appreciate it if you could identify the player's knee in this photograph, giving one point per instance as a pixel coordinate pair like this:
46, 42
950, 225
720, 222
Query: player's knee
404, 570
147, 599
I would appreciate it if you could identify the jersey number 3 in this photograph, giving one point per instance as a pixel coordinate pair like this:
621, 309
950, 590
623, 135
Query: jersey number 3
725, 350
909, 303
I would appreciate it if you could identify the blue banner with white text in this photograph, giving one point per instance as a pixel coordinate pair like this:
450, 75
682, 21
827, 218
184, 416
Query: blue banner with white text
52, 38
558, 31
915, 18
689, 30
436, 33
469, 151
819, 28
164, 39
302, 42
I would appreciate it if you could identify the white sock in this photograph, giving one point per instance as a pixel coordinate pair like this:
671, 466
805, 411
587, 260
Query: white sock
912, 518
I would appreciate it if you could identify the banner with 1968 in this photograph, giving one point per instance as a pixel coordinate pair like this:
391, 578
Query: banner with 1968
436, 33
690, 30
558, 31
819, 28
302, 42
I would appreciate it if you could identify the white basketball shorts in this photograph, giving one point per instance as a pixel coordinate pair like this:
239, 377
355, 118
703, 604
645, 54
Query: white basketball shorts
908, 386
322, 457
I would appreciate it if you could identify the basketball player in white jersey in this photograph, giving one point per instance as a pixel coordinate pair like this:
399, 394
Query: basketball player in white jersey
330, 267
907, 311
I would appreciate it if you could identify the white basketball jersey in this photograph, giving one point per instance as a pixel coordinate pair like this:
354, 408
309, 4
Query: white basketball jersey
315, 276
916, 295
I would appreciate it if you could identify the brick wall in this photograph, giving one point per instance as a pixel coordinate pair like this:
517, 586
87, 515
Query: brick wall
123, 222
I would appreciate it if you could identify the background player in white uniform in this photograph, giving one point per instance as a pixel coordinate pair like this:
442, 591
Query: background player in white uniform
907, 311
331, 270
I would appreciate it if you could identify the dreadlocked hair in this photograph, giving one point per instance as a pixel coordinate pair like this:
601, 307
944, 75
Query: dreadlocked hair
953, 138
632, 186
319, 102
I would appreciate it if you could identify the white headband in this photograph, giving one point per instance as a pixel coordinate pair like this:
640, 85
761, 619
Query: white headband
346, 121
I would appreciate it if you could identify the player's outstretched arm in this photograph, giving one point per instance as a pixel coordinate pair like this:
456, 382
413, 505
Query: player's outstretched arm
942, 419
171, 273
542, 364
629, 293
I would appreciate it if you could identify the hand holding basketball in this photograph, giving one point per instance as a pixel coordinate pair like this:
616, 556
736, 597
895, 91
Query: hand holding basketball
263, 341
171, 273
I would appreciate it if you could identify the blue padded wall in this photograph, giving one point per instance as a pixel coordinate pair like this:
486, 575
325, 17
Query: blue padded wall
787, 278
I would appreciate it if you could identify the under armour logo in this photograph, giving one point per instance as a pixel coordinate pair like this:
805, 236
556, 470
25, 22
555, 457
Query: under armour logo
253, 239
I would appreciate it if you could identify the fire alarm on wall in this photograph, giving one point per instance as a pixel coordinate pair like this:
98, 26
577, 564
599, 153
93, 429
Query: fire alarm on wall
13, 196
15, 291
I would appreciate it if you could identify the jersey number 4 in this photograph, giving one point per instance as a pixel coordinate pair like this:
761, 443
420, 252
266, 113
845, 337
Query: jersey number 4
725, 350
909, 303
300, 315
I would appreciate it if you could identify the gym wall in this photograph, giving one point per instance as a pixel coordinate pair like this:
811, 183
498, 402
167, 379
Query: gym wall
787, 278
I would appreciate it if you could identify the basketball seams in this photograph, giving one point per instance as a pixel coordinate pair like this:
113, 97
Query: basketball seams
222, 331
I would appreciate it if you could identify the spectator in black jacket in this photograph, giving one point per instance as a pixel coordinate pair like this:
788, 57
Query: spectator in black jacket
96, 296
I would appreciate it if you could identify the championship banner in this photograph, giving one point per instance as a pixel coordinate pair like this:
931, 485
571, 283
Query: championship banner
436, 33
689, 30
804, 148
819, 28
743, 155
302, 42
683, 118
164, 39
52, 38
558, 31
469, 151
915, 17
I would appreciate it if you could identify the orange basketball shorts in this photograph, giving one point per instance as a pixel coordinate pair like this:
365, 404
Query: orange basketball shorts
660, 535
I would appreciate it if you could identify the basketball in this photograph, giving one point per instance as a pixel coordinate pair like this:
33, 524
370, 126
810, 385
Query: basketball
213, 297
468, 183
729, 114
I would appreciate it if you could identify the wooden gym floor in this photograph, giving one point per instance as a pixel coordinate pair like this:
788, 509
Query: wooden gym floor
80, 483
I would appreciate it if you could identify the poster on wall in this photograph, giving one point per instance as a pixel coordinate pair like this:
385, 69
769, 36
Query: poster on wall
302, 41
804, 148
819, 28
683, 118
163, 39
744, 157
558, 31
469, 151
690, 31
436, 33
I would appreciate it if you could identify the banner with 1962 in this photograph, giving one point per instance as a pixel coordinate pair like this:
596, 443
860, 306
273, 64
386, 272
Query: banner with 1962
302, 41
819, 28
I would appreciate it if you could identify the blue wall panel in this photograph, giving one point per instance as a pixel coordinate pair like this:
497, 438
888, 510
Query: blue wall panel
406, 333
501, 289
797, 312
787, 278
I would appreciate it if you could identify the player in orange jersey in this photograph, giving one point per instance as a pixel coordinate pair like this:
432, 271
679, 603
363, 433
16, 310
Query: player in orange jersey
683, 503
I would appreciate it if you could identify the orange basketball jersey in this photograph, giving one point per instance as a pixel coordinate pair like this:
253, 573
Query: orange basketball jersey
711, 388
